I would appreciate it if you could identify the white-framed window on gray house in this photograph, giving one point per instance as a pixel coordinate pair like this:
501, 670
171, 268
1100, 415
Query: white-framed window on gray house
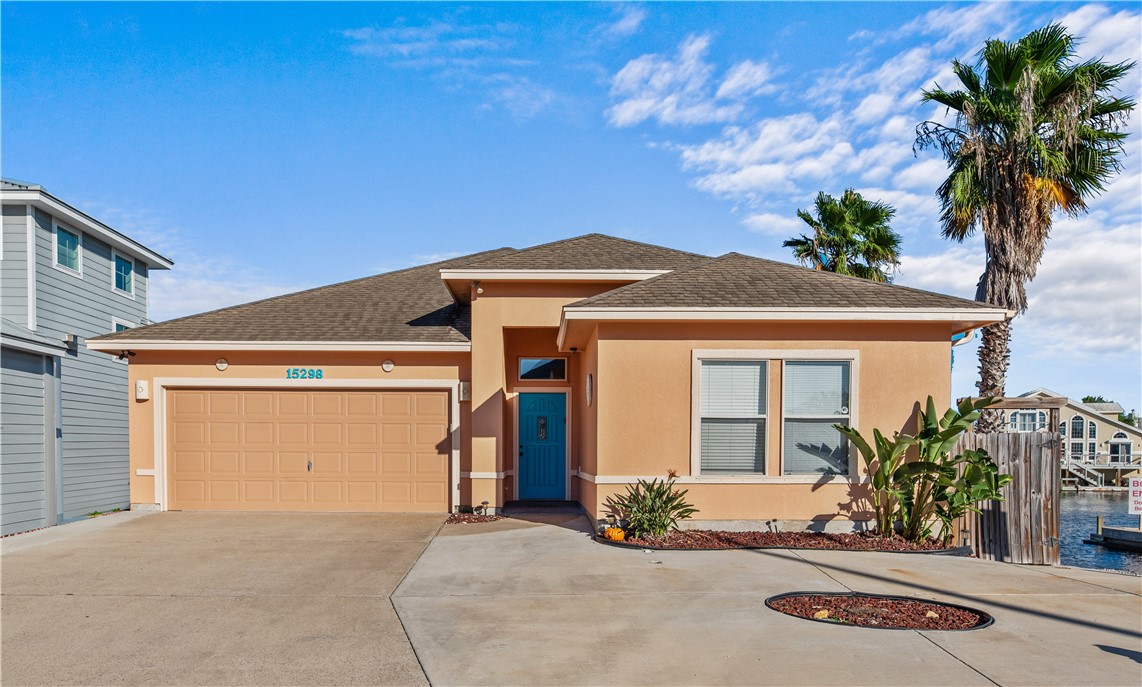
1092, 430
123, 275
1077, 427
817, 395
733, 417
1076, 450
67, 249
1091, 450
1063, 429
118, 325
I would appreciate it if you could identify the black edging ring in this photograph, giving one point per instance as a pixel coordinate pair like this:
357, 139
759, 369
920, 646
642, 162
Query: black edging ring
985, 619
954, 551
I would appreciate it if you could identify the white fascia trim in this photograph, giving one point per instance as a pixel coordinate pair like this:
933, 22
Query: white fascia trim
33, 277
552, 275
58, 208
785, 314
32, 346
117, 345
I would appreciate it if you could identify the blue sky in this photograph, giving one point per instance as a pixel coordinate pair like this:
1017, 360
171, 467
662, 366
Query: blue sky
271, 147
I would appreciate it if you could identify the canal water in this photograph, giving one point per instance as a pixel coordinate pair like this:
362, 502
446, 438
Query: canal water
1077, 513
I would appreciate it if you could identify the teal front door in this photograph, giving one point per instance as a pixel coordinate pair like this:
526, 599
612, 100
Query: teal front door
542, 446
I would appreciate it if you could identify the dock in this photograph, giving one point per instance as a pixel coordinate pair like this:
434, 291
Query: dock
1118, 538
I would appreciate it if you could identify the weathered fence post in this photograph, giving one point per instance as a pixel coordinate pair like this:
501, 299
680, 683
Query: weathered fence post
1024, 528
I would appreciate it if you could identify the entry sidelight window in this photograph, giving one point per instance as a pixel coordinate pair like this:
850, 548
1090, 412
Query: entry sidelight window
543, 369
733, 408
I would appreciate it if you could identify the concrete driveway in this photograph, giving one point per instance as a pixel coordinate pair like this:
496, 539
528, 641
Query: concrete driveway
213, 598
538, 603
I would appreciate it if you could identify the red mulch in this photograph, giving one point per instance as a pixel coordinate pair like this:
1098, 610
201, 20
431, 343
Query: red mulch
471, 518
878, 612
711, 539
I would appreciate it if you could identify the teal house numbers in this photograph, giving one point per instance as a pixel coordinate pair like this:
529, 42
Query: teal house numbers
303, 373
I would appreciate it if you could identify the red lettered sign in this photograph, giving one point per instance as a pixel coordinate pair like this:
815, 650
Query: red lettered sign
1136, 495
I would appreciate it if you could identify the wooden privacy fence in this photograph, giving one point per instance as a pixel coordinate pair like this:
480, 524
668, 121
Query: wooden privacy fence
1024, 528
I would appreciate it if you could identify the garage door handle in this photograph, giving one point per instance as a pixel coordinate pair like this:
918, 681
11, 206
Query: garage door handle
309, 466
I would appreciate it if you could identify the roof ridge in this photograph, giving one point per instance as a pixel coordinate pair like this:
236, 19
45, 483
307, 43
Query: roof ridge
833, 275
599, 235
628, 287
316, 288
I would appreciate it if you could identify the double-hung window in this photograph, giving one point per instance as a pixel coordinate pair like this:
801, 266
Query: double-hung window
733, 417
67, 249
817, 396
124, 274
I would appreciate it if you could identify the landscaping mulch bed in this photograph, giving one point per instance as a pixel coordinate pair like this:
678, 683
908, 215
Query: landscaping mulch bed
714, 539
879, 611
471, 518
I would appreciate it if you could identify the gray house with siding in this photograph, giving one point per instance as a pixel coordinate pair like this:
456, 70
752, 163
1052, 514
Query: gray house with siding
64, 276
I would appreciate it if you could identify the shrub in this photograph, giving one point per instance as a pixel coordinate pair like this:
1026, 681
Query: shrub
651, 508
937, 486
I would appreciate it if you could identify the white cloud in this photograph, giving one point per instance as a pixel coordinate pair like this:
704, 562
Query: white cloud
519, 95
669, 90
925, 175
402, 41
958, 25
629, 21
198, 284
745, 79
955, 271
679, 89
772, 224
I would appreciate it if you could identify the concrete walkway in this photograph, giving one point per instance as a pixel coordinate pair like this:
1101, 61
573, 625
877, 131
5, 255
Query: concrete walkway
211, 599
538, 603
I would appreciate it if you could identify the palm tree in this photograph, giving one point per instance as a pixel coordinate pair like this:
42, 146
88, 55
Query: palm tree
1034, 133
847, 231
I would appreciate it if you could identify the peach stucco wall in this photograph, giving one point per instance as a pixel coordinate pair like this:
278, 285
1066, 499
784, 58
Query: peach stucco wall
644, 395
500, 317
639, 423
253, 365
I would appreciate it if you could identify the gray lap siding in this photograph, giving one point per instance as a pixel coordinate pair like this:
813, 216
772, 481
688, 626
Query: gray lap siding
93, 386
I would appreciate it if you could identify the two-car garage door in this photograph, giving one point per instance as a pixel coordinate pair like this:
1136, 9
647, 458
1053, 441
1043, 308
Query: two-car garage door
367, 451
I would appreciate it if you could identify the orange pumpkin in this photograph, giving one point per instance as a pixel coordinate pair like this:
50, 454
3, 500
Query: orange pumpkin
615, 533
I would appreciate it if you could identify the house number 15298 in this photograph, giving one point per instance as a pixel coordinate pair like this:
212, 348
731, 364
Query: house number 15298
303, 373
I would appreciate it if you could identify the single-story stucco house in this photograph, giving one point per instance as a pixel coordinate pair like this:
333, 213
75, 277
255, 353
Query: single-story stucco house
563, 371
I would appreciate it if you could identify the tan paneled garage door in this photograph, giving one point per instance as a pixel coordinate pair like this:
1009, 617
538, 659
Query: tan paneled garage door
308, 450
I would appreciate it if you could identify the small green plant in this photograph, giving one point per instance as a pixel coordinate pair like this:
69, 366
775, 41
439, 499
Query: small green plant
882, 465
937, 486
651, 508
94, 514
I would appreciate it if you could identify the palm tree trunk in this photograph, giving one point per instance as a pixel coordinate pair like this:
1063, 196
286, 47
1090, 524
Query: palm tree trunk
994, 358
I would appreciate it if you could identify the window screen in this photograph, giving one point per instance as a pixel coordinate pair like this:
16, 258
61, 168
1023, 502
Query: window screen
733, 407
816, 397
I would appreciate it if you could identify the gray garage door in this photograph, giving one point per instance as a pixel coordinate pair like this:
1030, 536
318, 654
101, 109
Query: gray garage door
22, 442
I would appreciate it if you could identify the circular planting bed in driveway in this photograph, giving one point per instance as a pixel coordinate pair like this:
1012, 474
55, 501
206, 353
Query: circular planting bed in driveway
881, 611
714, 540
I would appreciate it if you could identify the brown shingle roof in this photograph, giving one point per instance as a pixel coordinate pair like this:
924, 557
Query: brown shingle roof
410, 305
741, 281
590, 252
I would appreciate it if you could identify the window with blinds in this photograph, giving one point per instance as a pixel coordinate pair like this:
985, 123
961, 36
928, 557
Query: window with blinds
816, 397
733, 414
